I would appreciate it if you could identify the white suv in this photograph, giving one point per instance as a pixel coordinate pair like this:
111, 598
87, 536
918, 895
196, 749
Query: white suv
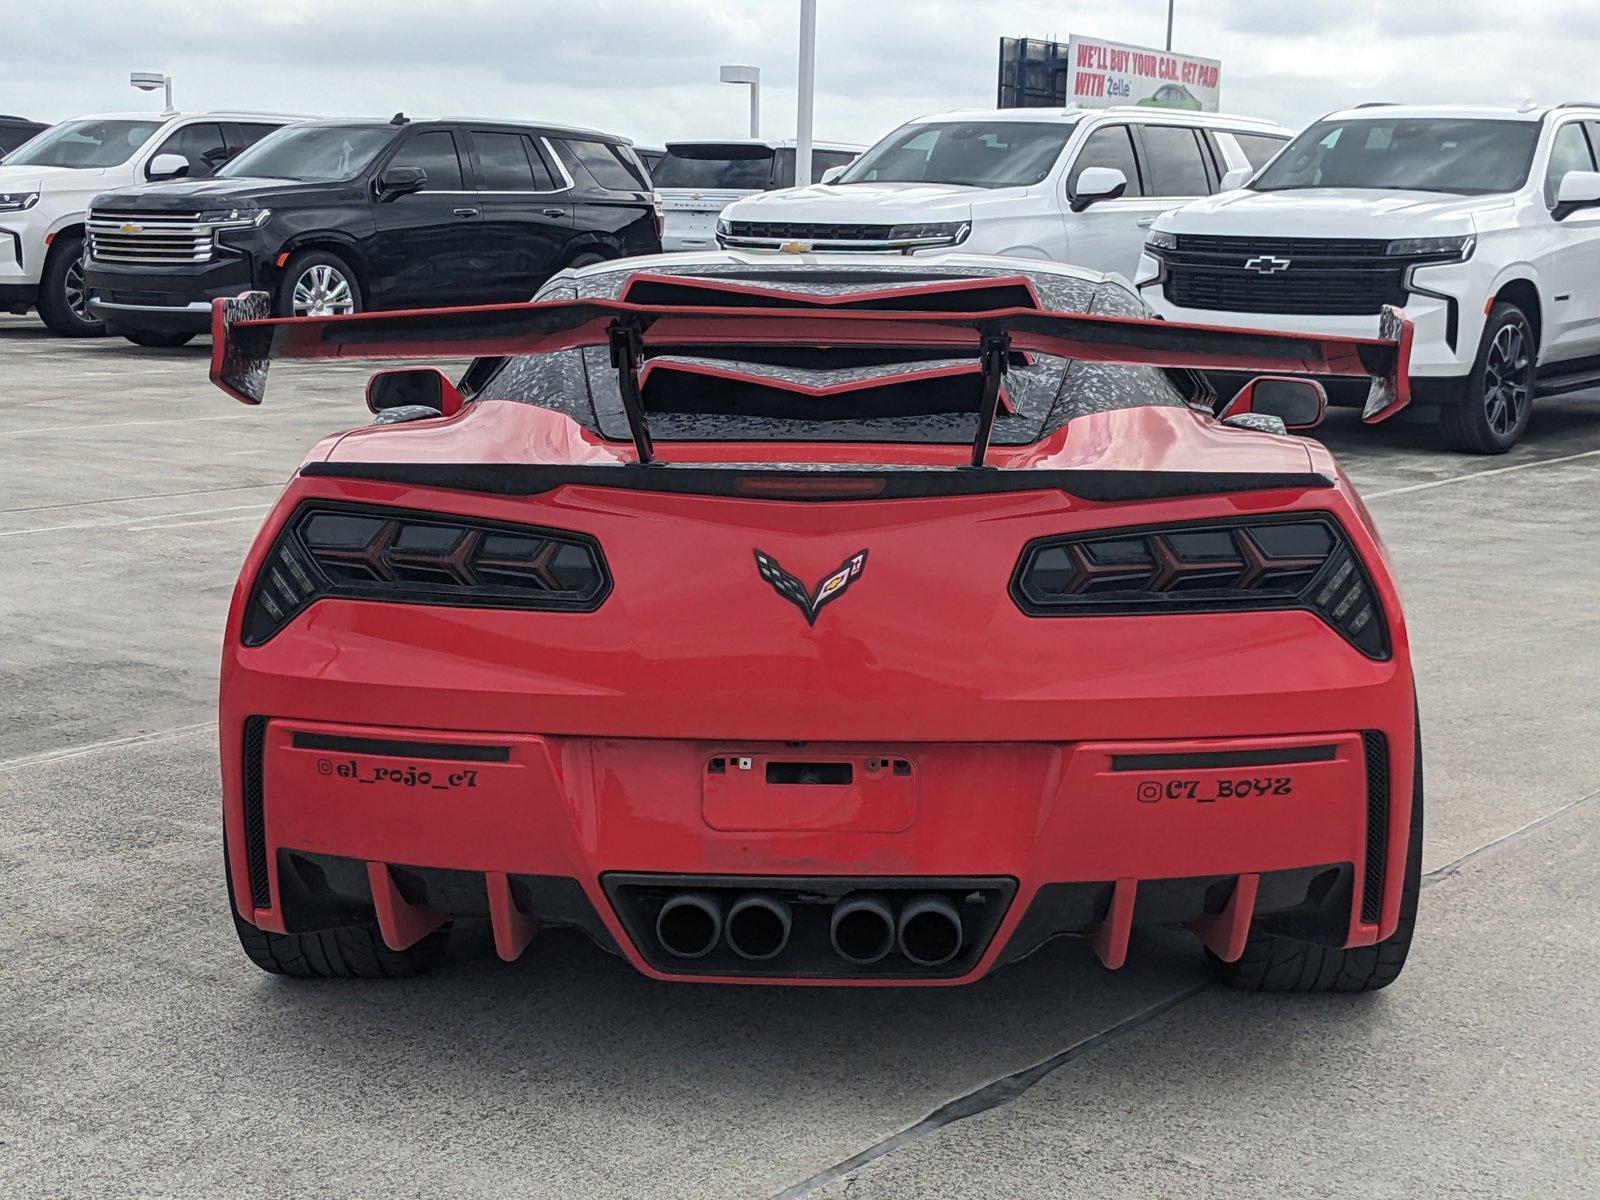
1484, 224
46, 186
1072, 186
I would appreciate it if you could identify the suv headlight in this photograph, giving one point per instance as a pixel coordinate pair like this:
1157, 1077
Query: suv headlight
17, 201
945, 232
1445, 249
232, 218
724, 227
1158, 240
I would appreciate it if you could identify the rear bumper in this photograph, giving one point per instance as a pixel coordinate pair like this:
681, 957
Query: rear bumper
1083, 838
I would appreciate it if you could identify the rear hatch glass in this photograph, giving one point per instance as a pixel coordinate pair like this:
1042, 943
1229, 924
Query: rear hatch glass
715, 165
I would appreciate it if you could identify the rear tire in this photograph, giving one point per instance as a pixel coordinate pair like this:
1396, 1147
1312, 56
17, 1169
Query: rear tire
587, 259
356, 952
63, 300
1274, 963
1492, 408
156, 338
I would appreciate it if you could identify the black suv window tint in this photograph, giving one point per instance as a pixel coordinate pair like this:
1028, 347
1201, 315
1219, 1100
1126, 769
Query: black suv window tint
1173, 162
1569, 151
545, 177
202, 146
435, 152
1259, 148
503, 164
1109, 146
605, 165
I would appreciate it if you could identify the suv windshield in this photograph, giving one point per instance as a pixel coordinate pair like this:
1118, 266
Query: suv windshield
978, 154
689, 165
1464, 156
311, 153
85, 144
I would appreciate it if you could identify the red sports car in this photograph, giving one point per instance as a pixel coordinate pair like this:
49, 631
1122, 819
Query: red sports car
822, 620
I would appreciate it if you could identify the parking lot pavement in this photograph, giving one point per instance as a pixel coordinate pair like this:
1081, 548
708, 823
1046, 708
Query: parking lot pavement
143, 1055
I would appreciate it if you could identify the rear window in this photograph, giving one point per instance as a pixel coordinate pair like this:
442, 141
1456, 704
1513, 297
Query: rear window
608, 165
746, 168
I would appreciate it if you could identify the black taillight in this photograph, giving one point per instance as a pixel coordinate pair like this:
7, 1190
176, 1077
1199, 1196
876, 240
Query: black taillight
357, 552
1213, 566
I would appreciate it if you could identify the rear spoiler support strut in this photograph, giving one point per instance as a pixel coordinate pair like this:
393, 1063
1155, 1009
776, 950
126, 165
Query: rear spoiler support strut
627, 352
994, 356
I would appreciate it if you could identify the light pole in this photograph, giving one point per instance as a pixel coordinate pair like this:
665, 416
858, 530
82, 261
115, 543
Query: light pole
751, 76
808, 88
150, 81
1170, 3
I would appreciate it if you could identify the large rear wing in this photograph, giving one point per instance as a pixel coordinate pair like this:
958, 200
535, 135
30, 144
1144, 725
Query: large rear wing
245, 341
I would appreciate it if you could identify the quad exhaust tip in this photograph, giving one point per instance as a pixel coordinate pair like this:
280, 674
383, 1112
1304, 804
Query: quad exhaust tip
929, 931
689, 924
758, 927
862, 929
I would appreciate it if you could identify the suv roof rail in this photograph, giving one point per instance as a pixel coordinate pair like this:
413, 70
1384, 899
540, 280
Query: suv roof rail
1578, 104
1376, 104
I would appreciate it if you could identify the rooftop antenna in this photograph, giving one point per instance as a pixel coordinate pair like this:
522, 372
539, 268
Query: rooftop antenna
150, 81
399, 119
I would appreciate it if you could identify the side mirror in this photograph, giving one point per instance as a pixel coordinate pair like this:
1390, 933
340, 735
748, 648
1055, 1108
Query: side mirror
1096, 184
167, 166
1579, 189
831, 174
413, 387
1299, 403
401, 181
1235, 178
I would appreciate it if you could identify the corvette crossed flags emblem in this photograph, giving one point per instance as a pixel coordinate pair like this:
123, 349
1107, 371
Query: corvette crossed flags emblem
792, 590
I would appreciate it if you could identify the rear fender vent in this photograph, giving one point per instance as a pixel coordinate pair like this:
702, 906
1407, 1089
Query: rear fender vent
1377, 754
255, 817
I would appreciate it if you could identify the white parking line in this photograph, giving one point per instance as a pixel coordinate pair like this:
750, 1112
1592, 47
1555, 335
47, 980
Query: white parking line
90, 428
147, 517
1438, 483
160, 735
185, 524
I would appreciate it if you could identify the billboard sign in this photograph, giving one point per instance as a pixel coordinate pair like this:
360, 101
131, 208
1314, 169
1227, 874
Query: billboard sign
1100, 74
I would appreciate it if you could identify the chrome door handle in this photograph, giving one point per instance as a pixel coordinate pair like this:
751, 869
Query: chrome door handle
1145, 222
467, 212
554, 212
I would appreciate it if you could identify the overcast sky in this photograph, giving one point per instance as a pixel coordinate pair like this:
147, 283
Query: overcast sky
648, 68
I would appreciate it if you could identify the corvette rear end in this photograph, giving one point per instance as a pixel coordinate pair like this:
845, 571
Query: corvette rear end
826, 625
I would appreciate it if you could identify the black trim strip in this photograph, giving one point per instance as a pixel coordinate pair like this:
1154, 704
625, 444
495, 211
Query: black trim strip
1223, 758
724, 479
255, 817
459, 751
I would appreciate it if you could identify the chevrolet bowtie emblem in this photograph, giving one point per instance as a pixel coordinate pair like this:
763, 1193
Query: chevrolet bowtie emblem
1266, 264
795, 247
792, 590
130, 227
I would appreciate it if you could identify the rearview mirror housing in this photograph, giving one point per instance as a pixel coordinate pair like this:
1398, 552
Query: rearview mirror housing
167, 166
1236, 178
1579, 189
401, 181
1096, 184
1299, 403
412, 387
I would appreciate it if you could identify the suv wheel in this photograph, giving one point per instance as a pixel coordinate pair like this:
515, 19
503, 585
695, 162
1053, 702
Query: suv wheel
316, 283
1492, 411
63, 299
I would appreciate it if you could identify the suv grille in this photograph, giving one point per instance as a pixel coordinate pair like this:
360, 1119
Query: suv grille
1331, 276
163, 239
809, 231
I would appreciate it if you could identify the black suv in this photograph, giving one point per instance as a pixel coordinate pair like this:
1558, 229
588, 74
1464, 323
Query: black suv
344, 216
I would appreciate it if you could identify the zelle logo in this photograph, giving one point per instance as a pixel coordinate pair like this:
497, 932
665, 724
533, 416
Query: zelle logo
1266, 264
792, 590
